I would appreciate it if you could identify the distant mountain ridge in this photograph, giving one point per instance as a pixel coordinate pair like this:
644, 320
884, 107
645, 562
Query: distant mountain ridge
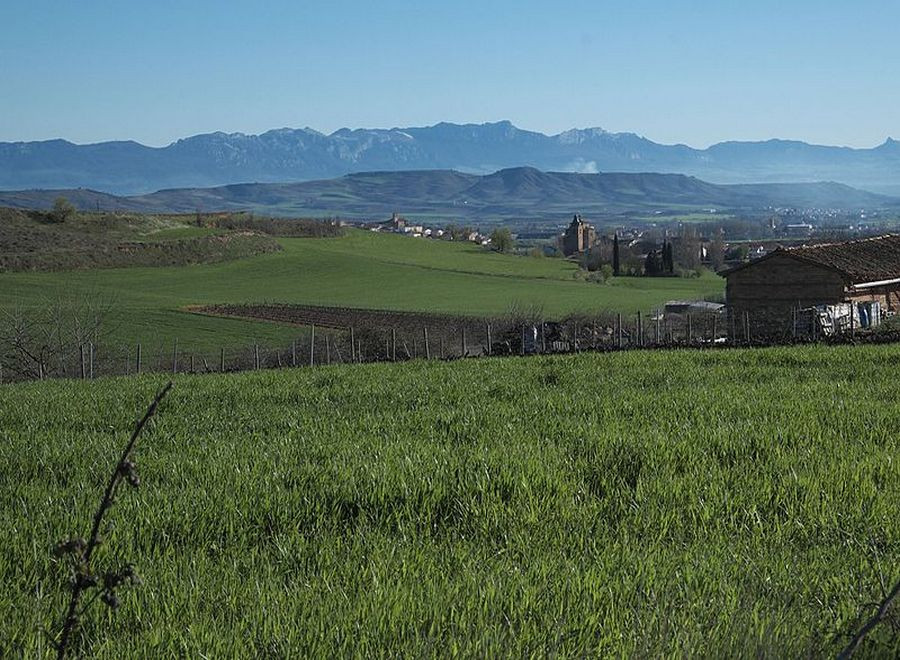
286, 154
515, 193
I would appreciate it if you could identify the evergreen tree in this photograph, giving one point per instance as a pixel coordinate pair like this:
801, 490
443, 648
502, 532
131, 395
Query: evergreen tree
616, 254
653, 264
668, 262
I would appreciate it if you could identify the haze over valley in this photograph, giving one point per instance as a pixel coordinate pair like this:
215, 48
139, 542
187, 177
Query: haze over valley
291, 155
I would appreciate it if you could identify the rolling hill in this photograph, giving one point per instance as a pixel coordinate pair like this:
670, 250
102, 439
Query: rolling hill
215, 159
512, 193
359, 269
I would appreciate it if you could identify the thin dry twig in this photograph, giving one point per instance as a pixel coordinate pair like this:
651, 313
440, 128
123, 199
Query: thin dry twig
880, 616
84, 579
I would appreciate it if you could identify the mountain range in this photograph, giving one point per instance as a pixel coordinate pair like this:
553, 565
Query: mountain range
290, 155
521, 193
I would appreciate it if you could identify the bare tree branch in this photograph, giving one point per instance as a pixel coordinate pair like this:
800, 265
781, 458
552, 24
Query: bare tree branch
880, 615
84, 579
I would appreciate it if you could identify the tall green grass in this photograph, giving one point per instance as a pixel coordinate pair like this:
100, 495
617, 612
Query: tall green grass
670, 503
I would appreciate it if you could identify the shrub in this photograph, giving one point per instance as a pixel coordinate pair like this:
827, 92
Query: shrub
502, 240
62, 210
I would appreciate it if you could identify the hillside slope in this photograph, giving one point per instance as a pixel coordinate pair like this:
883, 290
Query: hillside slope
37, 241
511, 193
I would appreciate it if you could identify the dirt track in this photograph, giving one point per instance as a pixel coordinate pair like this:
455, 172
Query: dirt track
342, 318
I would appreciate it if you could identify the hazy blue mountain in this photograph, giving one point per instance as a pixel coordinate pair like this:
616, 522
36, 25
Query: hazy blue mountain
304, 154
521, 193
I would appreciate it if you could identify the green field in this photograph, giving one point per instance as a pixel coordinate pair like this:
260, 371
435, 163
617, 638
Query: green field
678, 503
361, 269
696, 217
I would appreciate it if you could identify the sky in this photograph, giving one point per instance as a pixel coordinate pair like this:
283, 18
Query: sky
675, 71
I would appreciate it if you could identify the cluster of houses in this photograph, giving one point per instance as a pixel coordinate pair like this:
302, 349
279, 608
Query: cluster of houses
851, 283
400, 225
827, 287
581, 237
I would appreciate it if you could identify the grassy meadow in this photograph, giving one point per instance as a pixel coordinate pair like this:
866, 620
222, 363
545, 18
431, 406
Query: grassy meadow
678, 503
360, 269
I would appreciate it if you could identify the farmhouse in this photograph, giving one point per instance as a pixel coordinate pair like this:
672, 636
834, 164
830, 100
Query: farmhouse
769, 289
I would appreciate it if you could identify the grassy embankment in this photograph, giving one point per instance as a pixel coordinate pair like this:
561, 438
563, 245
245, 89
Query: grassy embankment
361, 269
717, 504
46, 241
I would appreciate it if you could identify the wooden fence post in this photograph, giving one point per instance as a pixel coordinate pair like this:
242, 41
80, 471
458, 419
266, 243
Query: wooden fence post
92, 360
327, 350
175, 357
640, 329
394, 344
619, 330
192, 363
715, 327
747, 327
443, 355
690, 321
81, 353
464, 351
256, 356
352, 344
489, 343
522, 347
425, 340
312, 344
138, 359
222, 359
543, 336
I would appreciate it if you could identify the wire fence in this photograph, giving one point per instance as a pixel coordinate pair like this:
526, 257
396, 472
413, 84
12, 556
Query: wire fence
448, 339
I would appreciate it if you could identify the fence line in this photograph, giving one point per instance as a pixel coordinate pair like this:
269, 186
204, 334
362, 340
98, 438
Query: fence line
488, 337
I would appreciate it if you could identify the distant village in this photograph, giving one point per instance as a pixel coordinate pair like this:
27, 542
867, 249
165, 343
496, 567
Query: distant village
400, 225
712, 244
788, 272
651, 247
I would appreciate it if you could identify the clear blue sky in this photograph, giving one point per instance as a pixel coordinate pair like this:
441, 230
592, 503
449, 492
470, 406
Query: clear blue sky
825, 71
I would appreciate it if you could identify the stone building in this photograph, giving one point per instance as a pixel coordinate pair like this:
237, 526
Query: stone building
768, 290
579, 237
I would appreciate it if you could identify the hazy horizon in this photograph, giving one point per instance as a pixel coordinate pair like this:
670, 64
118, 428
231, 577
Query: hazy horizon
524, 128
694, 73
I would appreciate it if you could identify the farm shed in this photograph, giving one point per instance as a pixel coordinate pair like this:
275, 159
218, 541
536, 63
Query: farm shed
769, 289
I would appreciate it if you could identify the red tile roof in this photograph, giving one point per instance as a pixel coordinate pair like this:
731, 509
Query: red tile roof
864, 260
